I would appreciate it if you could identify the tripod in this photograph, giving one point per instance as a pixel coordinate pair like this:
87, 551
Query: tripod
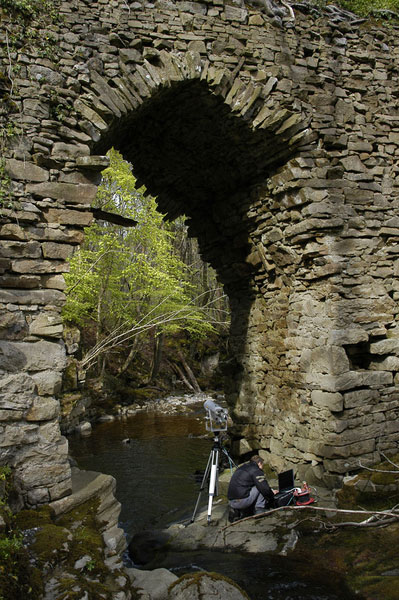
211, 473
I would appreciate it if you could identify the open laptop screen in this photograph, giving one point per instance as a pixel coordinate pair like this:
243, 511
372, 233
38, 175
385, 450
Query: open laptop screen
286, 480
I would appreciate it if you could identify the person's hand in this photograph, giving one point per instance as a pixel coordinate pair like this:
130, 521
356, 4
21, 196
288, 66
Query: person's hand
275, 491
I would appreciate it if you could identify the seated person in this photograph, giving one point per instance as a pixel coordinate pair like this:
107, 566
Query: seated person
249, 492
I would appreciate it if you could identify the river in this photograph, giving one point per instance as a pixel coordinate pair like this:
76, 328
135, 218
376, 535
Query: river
156, 485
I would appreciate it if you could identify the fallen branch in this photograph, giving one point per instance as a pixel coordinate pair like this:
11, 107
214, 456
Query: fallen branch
190, 374
180, 374
394, 515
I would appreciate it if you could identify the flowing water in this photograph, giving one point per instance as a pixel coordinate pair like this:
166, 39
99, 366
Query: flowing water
155, 474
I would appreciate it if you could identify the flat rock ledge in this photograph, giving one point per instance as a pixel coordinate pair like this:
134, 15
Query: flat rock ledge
90, 484
274, 532
269, 534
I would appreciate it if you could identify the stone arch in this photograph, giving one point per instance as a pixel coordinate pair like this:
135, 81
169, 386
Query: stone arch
247, 140
254, 136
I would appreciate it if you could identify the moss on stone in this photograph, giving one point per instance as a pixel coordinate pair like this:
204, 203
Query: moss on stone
87, 542
51, 544
28, 519
84, 514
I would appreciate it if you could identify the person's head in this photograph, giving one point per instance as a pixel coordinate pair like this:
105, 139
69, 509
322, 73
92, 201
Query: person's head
257, 460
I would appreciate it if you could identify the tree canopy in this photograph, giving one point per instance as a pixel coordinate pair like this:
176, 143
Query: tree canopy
130, 280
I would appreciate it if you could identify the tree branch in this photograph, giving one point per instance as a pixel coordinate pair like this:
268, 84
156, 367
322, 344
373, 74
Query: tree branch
388, 513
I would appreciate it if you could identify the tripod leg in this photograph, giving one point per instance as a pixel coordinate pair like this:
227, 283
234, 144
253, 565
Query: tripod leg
213, 480
203, 482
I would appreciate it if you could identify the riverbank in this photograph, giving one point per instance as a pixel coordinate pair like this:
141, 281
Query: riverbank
313, 548
345, 541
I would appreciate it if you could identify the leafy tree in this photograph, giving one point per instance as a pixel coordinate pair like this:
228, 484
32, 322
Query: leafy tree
131, 281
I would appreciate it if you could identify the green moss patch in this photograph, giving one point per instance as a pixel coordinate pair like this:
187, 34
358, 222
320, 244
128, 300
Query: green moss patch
51, 544
28, 519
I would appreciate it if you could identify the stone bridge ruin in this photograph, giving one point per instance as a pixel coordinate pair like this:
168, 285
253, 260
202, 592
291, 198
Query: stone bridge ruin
278, 137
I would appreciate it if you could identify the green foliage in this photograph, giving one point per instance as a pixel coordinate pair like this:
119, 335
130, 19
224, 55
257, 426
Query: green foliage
29, 8
386, 9
18, 579
30, 27
365, 8
5, 473
126, 280
6, 133
9, 545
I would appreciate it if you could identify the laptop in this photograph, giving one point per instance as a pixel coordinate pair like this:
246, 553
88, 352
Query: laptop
286, 481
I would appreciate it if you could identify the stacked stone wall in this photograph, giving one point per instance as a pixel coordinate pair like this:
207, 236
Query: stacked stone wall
279, 139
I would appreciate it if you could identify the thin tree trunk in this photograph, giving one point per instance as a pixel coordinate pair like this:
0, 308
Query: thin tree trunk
190, 374
130, 356
156, 363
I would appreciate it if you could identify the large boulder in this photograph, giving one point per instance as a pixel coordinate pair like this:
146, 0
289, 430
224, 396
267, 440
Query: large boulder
205, 586
156, 583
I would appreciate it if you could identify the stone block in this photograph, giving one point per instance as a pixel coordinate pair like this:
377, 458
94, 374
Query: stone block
48, 383
68, 217
197, 46
57, 251
350, 335
71, 193
55, 282
18, 434
390, 363
350, 380
31, 356
38, 496
45, 467
196, 8
130, 55
26, 171
328, 359
32, 297
14, 249
343, 465
16, 384
353, 163
233, 13
388, 346
256, 20
47, 324
39, 266
333, 401
96, 163
359, 398
349, 450
45, 74
44, 409
13, 325
36, 108
67, 151
155, 583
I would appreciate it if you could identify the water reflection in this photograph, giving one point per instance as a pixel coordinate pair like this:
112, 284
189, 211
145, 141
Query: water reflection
156, 486
154, 471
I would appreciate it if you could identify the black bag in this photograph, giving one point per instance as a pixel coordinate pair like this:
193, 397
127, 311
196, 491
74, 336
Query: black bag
284, 498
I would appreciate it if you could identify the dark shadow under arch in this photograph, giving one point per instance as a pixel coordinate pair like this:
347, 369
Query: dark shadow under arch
201, 159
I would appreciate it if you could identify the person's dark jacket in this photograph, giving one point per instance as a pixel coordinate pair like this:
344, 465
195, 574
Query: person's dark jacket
245, 478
